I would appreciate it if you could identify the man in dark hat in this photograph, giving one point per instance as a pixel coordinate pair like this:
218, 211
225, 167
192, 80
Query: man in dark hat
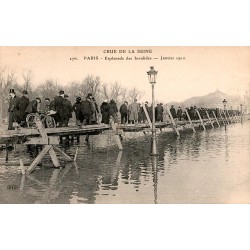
179, 113
124, 112
77, 107
33, 106
60, 108
159, 112
68, 109
14, 107
87, 111
173, 112
24, 102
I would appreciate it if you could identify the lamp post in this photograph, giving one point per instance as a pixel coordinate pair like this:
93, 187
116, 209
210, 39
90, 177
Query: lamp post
152, 79
241, 113
224, 104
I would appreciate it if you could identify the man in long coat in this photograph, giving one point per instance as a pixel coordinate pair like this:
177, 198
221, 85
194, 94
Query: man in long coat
33, 106
69, 110
124, 112
23, 103
14, 107
134, 109
77, 107
87, 111
105, 111
60, 108
159, 112
179, 113
173, 112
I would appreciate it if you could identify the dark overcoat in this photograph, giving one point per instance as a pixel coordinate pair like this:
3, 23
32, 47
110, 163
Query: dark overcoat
87, 108
60, 107
77, 107
23, 103
105, 111
32, 107
14, 108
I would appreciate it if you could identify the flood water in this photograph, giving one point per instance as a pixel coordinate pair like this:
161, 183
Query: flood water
211, 166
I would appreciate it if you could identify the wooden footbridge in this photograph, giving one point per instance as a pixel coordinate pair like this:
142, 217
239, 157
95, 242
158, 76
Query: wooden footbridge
49, 138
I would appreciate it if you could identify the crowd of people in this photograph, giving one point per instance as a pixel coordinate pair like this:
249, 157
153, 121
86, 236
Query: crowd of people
88, 112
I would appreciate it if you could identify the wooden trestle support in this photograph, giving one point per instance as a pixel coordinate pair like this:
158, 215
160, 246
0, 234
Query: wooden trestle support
49, 146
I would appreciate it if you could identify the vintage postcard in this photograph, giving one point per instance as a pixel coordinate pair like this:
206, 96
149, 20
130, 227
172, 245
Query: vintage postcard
124, 125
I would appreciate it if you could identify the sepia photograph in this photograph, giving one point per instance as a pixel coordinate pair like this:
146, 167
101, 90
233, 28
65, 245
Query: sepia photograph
125, 125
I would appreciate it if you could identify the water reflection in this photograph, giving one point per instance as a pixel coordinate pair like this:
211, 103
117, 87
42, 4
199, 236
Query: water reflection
154, 161
193, 168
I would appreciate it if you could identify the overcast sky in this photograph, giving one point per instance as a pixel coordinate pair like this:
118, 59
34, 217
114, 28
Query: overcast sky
204, 69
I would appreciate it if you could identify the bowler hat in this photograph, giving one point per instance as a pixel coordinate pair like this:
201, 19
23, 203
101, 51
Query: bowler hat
25, 92
89, 95
61, 92
12, 91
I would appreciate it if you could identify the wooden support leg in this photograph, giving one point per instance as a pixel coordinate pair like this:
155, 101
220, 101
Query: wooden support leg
118, 141
147, 115
201, 119
22, 167
54, 157
230, 118
22, 183
117, 137
76, 154
216, 118
7, 153
221, 117
210, 119
234, 118
190, 121
173, 122
38, 158
52, 182
62, 153
238, 118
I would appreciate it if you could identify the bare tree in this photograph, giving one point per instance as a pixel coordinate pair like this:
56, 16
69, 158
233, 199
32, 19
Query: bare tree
104, 90
7, 81
135, 94
73, 89
49, 89
91, 84
116, 91
27, 78
124, 95
2, 85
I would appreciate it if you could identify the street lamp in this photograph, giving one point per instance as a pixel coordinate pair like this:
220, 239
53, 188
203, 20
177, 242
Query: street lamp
224, 103
241, 106
152, 79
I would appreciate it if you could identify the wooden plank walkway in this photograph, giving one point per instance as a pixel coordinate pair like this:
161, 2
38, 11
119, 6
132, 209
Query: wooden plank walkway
24, 133
49, 137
